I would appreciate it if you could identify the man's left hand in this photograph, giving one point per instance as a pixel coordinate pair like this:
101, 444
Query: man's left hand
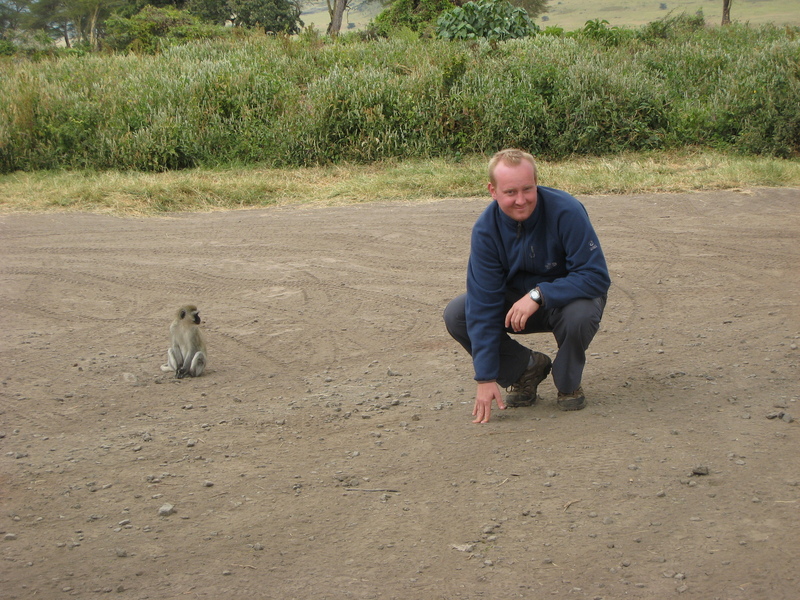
520, 312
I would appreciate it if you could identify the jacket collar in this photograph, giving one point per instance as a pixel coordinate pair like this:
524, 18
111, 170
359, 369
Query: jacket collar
527, 224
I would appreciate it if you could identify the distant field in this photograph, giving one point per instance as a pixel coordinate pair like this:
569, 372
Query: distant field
572, 14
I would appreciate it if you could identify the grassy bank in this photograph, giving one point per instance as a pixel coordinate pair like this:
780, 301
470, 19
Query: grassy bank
137, 193
308, 102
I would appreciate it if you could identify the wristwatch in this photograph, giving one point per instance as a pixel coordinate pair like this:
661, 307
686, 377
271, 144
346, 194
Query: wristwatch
536, 296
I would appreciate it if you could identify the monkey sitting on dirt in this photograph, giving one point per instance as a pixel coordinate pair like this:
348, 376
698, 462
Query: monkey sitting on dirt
187, 356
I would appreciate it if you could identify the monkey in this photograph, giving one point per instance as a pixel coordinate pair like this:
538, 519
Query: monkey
187, 356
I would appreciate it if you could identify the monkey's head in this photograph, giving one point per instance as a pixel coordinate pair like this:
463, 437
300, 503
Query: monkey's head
190, 313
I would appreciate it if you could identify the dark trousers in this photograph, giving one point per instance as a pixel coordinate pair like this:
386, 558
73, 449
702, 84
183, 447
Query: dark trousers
574, 326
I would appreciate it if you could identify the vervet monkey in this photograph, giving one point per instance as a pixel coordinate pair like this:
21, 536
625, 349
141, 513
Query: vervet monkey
187, 356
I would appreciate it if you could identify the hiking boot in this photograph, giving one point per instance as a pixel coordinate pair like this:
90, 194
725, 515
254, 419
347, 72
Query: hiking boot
523, 391
574, 401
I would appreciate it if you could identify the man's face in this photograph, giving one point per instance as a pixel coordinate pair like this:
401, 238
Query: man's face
515, 189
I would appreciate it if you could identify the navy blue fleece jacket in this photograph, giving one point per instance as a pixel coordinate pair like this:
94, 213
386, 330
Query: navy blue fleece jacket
556, 249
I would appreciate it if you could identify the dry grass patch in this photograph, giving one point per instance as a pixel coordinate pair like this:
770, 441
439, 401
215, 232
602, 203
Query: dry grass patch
135, 193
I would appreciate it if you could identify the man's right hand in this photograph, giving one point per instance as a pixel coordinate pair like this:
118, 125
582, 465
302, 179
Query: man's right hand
487, 392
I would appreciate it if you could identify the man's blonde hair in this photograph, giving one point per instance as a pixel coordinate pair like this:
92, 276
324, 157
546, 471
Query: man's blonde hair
511, 157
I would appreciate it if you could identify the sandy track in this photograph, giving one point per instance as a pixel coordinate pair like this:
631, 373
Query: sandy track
329, 453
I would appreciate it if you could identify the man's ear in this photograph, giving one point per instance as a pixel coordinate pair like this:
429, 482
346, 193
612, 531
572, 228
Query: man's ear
490, 187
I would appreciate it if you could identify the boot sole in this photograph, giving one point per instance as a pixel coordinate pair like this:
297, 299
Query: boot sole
570, 406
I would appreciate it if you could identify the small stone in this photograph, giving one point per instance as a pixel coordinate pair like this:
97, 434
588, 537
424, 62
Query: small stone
700, 470
191, 443
208, 484
121, 553
166, 510
10, 537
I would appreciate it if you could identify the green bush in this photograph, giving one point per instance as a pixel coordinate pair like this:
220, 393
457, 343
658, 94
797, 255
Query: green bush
152, 28
489, 19
672, 26
35, 45
289, 102
7, 47
416, 15
599, 30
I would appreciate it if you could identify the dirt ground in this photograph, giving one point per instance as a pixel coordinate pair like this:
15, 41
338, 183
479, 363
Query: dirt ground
329, 453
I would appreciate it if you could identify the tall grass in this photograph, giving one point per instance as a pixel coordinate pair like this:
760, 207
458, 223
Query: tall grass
283, 103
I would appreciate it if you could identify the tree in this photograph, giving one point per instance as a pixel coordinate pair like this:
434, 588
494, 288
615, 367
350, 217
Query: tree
534, 8
75, 19
275, 16
12, 14
336, 12
146, 30
50, 16
210, 11
726, 12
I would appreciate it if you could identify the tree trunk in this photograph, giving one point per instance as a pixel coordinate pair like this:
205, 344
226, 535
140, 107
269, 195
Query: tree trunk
336, 18
726, 12
93, 28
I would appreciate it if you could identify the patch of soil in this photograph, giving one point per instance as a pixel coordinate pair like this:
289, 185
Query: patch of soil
328, 452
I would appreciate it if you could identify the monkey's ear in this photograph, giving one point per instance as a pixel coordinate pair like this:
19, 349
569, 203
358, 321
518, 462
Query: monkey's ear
183, 314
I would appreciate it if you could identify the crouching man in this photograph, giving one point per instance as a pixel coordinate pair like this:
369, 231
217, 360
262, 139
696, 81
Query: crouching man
535, 265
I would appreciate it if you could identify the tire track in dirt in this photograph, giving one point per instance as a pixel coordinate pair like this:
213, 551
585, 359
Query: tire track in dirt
330, 369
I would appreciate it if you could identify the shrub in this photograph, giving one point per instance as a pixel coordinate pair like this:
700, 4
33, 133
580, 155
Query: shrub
598, 30
672, 26
293, 102
416, 15
490, 19
6, 47
152, 28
